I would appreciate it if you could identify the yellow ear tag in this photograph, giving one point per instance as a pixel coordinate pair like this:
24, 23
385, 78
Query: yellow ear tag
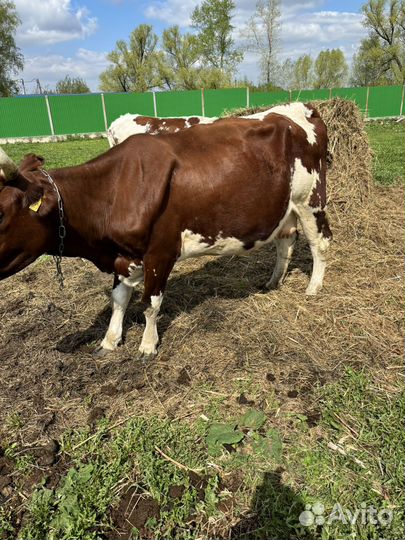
36, 205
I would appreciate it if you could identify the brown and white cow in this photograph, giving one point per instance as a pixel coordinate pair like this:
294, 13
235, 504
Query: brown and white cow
218, 189
134, 124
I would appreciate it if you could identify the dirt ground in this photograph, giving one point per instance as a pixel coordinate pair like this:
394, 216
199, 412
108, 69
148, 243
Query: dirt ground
221, 334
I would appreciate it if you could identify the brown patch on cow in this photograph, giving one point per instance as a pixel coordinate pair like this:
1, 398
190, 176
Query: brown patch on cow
322, 224
143, 120
193, 120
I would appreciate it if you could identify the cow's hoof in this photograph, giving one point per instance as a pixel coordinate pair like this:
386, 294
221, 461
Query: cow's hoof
272, 285
313, 290
100, 352
146, 357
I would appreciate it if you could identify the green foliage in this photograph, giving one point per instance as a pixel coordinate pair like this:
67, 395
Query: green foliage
78, 507
231, 432
252, 419
134, 65
72, 85
381, 56
303, 75
212, 20
11, 58
330, 69
182, 55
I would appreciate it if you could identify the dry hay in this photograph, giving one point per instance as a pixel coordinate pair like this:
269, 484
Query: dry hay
220, 333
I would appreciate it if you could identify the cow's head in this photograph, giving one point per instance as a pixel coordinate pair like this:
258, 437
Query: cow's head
25, 205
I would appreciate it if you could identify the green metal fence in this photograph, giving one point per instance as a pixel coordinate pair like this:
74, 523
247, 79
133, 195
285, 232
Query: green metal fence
88, 113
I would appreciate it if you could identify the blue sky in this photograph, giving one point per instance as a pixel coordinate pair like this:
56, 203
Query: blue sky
60, 37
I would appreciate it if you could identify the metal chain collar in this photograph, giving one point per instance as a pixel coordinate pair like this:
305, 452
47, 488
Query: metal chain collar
61, 230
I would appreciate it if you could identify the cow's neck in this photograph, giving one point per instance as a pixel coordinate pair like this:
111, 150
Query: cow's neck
86, 213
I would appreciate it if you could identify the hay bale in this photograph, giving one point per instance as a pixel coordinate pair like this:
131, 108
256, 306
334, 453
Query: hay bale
350, 174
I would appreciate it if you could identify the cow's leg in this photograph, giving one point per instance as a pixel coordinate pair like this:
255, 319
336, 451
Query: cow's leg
316, 229
285, 242
157, 270
121, 294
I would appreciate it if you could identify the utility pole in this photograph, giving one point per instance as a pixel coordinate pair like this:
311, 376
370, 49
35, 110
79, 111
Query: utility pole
39, 87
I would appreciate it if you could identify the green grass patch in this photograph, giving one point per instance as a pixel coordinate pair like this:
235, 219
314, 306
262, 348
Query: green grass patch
355, 469
59, 154
255, 476
104, 465
387, 139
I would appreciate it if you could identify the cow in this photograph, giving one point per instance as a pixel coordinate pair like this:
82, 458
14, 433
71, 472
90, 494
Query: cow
133, 124
218, 189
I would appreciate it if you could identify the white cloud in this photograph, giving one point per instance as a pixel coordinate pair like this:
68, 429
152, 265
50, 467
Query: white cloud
172, 11
49, 69
52, 21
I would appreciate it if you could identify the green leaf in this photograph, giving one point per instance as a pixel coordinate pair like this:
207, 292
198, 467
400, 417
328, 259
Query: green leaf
252, 419
219, 434
276, 444
230, 437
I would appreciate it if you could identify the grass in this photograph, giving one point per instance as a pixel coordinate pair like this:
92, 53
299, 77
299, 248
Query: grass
387, 140
59, 154
348, 469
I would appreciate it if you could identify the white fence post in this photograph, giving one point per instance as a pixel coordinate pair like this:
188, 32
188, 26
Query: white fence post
49, 114
401, 110
202, 102
154, 104
367, 96
247, 97
104, 111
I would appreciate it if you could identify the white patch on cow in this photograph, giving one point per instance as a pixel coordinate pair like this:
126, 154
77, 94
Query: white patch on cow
123, 127
176, 130
187, 124
150, 337
303, 182
126, 125
193, 245
135, 275
119, 299
297, 112
204, 119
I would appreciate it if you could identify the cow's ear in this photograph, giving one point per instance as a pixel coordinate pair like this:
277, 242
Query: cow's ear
31, 162
33, 197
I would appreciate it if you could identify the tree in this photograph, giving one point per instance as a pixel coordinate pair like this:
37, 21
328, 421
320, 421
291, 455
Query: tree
72, 85
368, 65
381, 56
330, 69
135, 67
181, 55
284, 74
11, 59
262, 33
212, 20
303, 76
